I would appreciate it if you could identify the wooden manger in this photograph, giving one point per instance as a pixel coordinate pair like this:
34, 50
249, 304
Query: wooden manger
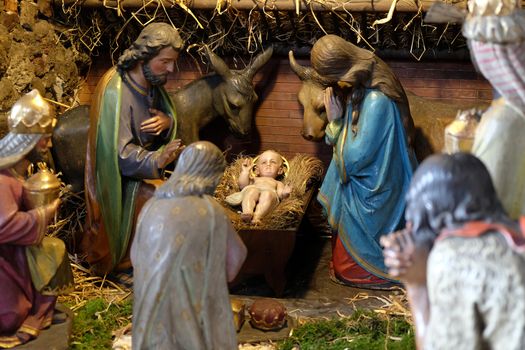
271, 243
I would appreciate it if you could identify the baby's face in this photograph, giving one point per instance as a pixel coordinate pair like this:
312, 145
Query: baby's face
269, 164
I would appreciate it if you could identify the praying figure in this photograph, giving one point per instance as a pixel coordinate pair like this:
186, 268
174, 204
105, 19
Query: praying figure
261, 191
461, 258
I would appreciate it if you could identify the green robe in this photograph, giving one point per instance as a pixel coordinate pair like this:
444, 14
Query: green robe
110, 195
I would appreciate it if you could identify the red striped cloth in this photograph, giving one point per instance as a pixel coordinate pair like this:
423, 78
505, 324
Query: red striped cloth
504, 67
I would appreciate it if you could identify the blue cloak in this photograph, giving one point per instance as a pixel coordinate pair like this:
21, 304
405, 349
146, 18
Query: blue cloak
363, 192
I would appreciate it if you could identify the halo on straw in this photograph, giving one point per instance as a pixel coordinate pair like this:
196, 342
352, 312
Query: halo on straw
286, 166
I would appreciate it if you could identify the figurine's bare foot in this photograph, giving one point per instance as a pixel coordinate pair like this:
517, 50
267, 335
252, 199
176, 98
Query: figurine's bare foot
256, 221
246, 217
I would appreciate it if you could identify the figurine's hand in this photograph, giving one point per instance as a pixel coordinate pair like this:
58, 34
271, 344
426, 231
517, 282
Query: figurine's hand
170, 153
156, 124
403, 258
332, 104
51, 209
246, 165
287, 190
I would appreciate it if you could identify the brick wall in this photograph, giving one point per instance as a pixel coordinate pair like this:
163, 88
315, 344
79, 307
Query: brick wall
278, 114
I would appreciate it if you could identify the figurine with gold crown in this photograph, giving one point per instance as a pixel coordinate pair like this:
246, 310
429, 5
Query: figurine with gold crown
33, 268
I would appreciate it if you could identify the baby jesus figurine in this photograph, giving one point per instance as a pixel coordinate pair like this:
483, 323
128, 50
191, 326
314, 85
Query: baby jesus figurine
260, 190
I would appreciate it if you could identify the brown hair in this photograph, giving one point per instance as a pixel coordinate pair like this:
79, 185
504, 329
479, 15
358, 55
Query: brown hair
153, 38
348, 66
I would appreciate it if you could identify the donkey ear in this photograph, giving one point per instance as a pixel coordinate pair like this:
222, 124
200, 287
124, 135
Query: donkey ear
257, 64
218, 64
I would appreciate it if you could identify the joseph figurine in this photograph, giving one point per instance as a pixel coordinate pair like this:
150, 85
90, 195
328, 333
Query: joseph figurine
131, 138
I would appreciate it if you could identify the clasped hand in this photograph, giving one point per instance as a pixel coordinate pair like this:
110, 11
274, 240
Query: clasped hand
156, 124
404, 258
332, 104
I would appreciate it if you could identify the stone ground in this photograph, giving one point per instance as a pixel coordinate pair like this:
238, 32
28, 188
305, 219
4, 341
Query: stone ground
310, 293
55, 337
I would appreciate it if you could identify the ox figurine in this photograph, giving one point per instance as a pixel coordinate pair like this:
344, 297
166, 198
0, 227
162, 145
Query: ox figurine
227, 93
311, 98
430, 117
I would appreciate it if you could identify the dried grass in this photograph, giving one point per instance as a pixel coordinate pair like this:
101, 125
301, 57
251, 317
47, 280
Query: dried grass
229, 31
68, 225
305, 171
394, 304
89, 287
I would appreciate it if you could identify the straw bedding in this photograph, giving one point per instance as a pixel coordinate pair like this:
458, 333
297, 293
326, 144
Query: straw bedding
305, 173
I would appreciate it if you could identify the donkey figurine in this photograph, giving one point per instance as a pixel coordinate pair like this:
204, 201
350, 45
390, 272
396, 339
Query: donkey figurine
227, 93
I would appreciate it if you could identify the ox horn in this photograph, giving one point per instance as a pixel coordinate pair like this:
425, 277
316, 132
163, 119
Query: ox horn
306, 73
218, 64
259, 61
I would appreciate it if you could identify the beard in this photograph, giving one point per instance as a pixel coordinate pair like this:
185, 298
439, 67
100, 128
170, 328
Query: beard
153, 79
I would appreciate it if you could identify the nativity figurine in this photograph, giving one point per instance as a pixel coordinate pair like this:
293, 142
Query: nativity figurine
261, 189
132, 138
184, 252
461, 258
495, 32
34, 268
367, 122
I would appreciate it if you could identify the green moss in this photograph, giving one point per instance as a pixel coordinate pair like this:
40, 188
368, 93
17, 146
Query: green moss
363, 330
94, 323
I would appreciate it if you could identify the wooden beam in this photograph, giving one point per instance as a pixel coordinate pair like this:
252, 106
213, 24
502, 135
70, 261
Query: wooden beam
279, 5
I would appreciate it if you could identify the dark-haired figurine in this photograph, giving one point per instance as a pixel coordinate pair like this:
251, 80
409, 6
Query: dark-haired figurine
132, 117
184, 252
461, 258
364, 188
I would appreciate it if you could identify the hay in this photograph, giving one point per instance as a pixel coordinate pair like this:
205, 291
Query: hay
89, 287
232, 32
68, 223
392, 305
305, 172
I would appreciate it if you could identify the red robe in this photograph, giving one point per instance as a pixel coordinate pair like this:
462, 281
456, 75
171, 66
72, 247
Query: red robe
23, 310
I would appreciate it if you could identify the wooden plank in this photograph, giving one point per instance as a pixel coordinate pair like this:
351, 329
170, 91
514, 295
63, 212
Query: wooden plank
280, 5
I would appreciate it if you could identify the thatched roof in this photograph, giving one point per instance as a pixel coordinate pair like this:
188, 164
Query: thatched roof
241, 27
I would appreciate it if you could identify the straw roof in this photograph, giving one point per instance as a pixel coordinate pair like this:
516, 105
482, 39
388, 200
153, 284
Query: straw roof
238, 28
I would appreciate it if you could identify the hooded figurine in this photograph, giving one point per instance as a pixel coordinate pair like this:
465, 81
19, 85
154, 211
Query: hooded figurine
495, 30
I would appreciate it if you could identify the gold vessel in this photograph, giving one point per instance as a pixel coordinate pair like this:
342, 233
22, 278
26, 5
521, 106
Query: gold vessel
459, 135
238, 307
41, 188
